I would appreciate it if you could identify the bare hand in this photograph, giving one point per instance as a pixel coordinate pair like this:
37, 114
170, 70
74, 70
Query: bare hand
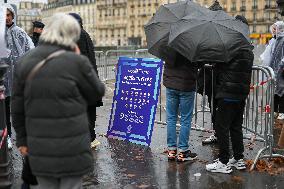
23, 150
77, 50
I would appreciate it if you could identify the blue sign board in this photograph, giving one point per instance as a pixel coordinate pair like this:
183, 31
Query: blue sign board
135, 99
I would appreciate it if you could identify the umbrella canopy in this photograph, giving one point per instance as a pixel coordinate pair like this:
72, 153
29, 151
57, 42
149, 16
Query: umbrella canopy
212, 37
158, 28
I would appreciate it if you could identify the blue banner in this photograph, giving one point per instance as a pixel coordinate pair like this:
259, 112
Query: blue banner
135, 100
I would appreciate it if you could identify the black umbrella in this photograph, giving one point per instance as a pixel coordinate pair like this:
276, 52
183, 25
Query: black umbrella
158, 28
212, 37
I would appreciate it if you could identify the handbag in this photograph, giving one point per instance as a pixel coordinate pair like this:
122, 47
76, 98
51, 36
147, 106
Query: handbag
27, 174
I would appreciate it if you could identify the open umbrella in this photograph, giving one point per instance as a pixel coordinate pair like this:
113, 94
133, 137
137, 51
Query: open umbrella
158, 28
212, 37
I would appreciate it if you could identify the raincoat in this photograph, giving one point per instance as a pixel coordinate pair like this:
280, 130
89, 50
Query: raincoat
265, 57
277, 59
18, 43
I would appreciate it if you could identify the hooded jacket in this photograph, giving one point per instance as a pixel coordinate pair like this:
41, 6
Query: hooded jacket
18, 43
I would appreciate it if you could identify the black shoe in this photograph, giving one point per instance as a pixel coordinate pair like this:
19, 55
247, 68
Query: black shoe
25, 186
186, 156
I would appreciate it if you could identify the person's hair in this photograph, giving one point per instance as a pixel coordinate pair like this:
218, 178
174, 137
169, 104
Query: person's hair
61, 29
11, 9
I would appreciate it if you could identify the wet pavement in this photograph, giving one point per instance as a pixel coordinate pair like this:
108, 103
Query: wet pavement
122, 165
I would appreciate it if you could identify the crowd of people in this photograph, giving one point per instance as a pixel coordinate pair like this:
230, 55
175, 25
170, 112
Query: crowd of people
53, 88
52, 92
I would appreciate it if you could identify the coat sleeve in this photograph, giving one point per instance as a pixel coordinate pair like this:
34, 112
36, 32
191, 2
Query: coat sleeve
91, 52
25, 42
17, 108
89, 83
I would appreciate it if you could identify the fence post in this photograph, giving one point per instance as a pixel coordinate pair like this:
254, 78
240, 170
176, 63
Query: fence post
4, 158
106, 64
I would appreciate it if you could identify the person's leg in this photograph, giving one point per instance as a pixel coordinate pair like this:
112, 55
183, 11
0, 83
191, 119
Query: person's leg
186, 109
72, 182
172, 105
276, 106
27, 175
236, 131
8, 114
280, 107
47, 183
223, 122
8, 121
92, 121
92, 116
212, 139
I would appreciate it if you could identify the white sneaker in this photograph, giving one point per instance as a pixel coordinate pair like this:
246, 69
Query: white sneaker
10, 144
95, 143
218, 167
280, 116
210, 140
238, 164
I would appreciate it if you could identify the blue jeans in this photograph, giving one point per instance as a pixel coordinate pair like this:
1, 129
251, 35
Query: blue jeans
184, 101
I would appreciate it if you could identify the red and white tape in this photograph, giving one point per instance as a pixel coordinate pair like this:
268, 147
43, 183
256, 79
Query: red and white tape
3, 136
252, 87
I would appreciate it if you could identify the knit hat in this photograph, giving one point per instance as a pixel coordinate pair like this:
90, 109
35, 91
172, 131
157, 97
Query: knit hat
77, 17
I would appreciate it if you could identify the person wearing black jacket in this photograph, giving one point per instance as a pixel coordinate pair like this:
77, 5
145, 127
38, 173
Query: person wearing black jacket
49, 106
87, 49
37, 30
232, 88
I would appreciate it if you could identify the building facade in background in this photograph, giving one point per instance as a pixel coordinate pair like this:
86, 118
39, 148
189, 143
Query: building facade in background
111, 25
27, 13
85, 8
261, 14
121, 22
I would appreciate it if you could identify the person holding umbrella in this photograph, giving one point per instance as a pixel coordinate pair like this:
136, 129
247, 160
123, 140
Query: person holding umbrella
179, 79
232, 89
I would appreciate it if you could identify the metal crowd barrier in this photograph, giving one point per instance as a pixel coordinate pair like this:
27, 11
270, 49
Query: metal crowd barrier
100, 61
106, 62
259, 112
111, 59
258, 116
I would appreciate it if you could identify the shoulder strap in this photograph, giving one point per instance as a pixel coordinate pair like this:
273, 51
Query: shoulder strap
42, 63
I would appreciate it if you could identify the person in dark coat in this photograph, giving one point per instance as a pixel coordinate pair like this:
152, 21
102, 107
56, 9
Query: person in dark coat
37, 30
207, 76
180, 81
232, 88
206, 82
87, 48
49, 111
